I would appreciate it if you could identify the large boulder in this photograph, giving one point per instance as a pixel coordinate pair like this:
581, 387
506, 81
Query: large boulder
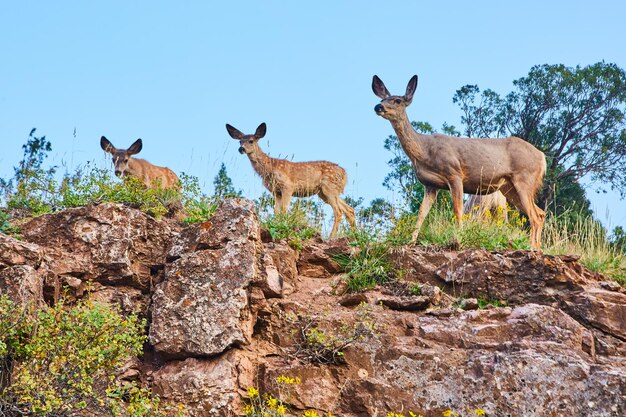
202, 307
109, 243
21, 274
532, 360
207, 387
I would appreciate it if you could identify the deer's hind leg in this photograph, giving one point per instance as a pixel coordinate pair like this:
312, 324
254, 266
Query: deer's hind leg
523, 200
348, 211
331, 198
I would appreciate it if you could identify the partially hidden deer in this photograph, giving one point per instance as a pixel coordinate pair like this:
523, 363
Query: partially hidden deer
480, 205
463, 165
285, 179
125, 165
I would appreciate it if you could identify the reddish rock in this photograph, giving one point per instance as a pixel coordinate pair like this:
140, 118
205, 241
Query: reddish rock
108, 243
318, 259
234, 221
202, 307
15, 252
207, 387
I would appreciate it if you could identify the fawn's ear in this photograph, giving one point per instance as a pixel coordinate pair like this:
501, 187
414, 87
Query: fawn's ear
410, 89
106, 145
379, 88
135, 148
234, 133
260, 131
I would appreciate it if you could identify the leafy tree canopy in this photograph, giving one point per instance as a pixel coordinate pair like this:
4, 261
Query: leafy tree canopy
575, 115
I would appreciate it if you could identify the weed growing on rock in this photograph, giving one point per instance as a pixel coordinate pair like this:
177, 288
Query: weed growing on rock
302, 222
369, 265
327, 345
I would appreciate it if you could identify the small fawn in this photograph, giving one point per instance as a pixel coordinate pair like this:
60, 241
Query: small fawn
285, 179
151, 175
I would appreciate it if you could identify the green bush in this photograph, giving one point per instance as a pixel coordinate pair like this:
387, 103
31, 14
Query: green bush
64, 358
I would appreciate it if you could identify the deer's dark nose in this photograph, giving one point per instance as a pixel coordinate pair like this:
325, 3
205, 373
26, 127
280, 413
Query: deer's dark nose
379, 108
118, 173
241, 149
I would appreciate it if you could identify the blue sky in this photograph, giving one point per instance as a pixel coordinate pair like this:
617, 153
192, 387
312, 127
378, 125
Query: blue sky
173, 73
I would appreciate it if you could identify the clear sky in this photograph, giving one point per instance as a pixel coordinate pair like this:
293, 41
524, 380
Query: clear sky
173, 73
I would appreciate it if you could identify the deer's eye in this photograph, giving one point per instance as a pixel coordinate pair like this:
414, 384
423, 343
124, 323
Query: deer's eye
398, 101
250, 141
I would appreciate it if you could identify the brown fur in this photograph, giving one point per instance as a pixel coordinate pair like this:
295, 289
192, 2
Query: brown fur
151, 175
285, 179
462, 165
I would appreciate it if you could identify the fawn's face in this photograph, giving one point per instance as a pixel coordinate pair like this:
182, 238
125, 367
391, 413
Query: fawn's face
121, 157
247, 143
392, 107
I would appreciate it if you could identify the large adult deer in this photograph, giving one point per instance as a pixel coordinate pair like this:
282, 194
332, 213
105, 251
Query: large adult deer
473, 166
125, 165
285, 179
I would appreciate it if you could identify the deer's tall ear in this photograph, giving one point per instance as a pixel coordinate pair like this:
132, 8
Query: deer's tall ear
234, 133
379, 88
106, 145
260, 131
410, 89
135, 148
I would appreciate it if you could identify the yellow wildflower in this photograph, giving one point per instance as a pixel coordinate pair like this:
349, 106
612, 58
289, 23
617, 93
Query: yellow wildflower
271, 402
253, 392
248, 409
310, 413
479, 412
281, 410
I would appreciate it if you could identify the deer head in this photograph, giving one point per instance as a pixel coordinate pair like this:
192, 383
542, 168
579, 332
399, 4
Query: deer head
247, 143
120, 156
390, 106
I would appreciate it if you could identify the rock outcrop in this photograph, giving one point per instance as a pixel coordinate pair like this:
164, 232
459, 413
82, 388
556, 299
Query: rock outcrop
226, 312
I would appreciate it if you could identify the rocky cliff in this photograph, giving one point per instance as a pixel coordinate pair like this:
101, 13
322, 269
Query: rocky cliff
228, 309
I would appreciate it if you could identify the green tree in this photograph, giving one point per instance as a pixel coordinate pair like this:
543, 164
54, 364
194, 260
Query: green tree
575, 115
31, 183
223, 185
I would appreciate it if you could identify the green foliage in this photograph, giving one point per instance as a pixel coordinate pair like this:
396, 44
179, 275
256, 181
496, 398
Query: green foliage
32, 185
302, 222
63, 359
327, 345
575, 115
483, 303
95, 185
369, 265
6, 226
197, 206
618, 239
223, 185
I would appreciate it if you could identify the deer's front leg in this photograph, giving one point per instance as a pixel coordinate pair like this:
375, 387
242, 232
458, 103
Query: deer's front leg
427, 202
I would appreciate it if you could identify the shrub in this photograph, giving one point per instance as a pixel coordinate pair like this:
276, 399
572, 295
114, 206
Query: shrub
64, 358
